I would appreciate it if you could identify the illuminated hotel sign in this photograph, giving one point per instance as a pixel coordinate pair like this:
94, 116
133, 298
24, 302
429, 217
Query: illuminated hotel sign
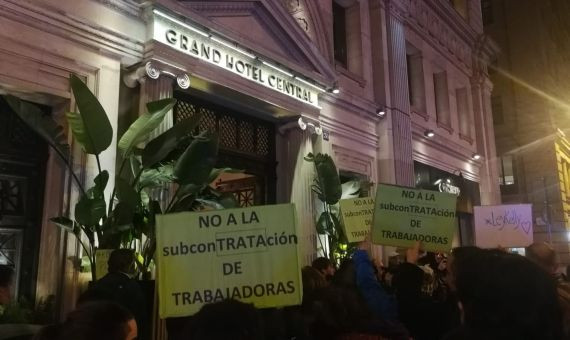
217, 51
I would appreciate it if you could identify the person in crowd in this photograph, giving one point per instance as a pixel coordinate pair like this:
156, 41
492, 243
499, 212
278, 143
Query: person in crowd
6, 278
413, 285
382, 304
544, 256
228, 319
120, 287
93, 321
503, 296
325, 267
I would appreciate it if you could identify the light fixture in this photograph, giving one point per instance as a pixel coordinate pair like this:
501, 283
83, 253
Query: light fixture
335, 90
302, 124
429, 133
476, 156
380, 112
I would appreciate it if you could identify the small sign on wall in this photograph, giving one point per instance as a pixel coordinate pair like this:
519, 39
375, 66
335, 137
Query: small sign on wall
508, 226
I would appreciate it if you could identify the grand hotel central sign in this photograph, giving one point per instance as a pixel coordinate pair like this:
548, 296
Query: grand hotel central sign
226, 55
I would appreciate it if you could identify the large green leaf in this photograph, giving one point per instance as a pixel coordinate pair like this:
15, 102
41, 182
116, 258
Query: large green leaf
91, 126
89, 211
145, 124
156, 177
160, 147
328, 179
42, 124
196, 163
126, 194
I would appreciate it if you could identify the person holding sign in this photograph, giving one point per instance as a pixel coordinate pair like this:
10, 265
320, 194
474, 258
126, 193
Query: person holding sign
381, 303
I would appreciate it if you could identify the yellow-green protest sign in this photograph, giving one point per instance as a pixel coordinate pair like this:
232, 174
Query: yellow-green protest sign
403, 216
101, 259
357, 217
248, 254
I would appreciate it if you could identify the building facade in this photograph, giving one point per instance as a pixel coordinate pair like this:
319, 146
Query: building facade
396, 91
530, 107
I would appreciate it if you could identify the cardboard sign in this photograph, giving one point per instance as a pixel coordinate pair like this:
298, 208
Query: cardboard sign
403, 216
507, 226
101, 259
249, 254
357, 217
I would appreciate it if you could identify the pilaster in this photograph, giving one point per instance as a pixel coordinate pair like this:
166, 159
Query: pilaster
400, 101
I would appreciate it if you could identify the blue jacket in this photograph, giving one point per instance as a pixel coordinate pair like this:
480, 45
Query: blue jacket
381, 303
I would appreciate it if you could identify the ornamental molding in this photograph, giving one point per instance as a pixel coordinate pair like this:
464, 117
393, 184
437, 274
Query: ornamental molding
354, 161
52, 20
128, 7
153, 69
448, 33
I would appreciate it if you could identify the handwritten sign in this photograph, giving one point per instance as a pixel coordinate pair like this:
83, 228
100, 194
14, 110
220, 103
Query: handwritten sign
504, 226
249, 254
403, 216
357, 217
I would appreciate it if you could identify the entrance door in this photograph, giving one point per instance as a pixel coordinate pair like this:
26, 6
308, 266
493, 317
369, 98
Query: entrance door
22, 169
246, 143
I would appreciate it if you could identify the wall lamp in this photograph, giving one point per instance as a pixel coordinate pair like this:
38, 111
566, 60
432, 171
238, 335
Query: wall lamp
335, 89
381, 112
429, 133
476, 156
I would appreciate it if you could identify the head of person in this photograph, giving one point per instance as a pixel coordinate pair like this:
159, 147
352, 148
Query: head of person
228, 319
313, 281
6, 278
506, 296
460, 262
122, 261
543, 255
94, 321
324, 266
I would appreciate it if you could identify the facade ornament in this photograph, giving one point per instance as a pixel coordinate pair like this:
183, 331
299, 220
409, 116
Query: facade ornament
154, 70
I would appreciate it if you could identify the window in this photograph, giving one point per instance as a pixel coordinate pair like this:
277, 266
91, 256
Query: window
497, 107
463, 113
487, 12
339, 34
416, 84
506, 170
441, 99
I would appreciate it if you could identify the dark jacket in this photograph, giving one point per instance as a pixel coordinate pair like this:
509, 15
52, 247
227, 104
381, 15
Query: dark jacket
119, 288
381, 303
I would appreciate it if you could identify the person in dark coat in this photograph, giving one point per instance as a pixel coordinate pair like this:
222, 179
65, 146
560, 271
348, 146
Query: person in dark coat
119, 286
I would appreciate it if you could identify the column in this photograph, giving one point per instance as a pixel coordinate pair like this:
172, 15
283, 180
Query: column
485, 142
300, 175
399, 96
151, 90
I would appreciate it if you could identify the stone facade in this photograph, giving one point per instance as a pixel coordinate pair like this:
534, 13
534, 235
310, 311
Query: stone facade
44, 41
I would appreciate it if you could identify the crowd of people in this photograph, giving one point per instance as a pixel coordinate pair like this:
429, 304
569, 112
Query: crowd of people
471, 294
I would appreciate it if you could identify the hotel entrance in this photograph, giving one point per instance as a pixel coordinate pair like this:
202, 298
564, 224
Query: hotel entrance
246, 143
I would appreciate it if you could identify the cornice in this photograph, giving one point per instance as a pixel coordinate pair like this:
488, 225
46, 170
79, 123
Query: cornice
127, 7
54, 21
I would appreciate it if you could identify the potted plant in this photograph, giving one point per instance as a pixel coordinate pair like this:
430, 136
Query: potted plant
177, 157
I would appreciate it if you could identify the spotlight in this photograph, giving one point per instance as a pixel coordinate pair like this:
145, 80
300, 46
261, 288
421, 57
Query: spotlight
429, 133
334, 90
380, 112
476, 156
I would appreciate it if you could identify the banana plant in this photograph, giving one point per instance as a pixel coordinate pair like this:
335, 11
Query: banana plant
329, 191
177, 157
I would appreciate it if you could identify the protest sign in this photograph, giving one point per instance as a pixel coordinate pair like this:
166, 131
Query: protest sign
403, 216
507, 226
357, 217
248, 254
101, 259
